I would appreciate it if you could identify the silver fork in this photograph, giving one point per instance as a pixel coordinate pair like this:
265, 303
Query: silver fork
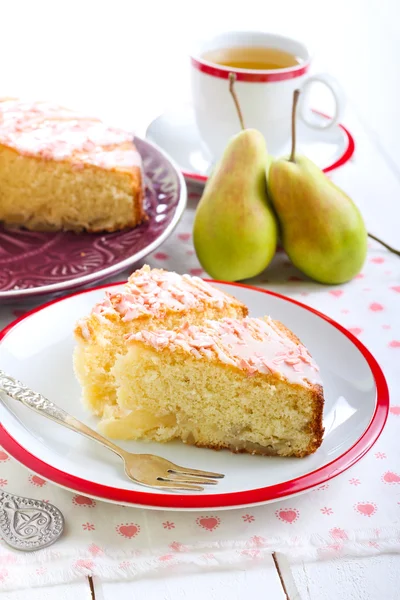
146, 469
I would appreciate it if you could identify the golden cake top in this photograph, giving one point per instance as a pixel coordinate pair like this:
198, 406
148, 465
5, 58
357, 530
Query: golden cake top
48, 131
252, 345
153, 292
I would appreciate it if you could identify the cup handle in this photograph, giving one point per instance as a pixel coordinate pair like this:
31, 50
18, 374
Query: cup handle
307, 115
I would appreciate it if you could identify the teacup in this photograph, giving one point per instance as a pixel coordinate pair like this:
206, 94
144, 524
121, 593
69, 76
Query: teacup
265, 95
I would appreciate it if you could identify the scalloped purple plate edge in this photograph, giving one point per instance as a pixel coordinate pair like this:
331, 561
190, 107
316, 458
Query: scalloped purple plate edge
96, 276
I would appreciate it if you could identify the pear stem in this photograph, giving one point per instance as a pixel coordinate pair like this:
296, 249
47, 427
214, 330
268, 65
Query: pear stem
385, 244
296, 95
232, 79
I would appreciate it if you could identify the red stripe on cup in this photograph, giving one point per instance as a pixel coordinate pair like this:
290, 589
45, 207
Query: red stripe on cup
250, 76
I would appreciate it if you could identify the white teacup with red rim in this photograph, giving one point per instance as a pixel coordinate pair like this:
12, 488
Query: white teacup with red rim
265, 95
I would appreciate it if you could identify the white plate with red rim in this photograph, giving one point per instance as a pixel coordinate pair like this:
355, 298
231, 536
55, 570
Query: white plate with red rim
37, 349
175, 132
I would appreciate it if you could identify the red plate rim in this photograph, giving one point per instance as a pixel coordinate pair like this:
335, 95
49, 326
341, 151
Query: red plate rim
230, 499
346, 156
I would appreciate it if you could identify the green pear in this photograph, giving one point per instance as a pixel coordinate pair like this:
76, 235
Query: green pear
322, 230
235, 230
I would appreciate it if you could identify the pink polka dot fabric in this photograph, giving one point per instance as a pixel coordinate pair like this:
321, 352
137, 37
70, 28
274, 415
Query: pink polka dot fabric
355, 514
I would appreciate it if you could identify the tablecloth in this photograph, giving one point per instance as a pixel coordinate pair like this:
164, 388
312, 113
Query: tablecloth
355, 514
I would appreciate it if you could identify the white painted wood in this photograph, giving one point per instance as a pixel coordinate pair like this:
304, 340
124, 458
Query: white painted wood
286, 576
373, 578
73, 591
261, 582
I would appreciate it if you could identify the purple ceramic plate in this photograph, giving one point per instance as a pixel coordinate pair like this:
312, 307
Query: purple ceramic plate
36, 263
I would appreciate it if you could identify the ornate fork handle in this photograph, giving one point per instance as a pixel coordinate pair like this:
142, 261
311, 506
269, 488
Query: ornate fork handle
18, 391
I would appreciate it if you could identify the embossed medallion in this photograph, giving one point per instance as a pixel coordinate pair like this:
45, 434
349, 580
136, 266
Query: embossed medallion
28, 524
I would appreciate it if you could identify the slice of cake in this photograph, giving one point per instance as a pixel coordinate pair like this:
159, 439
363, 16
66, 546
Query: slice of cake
247, 385
62, 170
151, 299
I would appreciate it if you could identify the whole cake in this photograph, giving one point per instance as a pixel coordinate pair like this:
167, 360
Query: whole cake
62, 170
151, 299
248, 385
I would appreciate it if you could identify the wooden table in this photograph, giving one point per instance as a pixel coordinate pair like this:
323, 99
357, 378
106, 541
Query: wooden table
127, 62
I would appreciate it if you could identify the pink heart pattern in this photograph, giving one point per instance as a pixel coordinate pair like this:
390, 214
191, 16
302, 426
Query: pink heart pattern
338, 534
336, 293
128, 530
184, 237
375, 307
390, 477
394, 344
355, 330
178, 547
287, 515
396, 288
367, 509
208, 523
4, 456
166, 557
197, 272
36, 480
378, 260
83, 501
161, 256
395, 410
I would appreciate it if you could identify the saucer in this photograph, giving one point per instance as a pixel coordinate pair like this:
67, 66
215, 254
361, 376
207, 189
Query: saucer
175, 132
